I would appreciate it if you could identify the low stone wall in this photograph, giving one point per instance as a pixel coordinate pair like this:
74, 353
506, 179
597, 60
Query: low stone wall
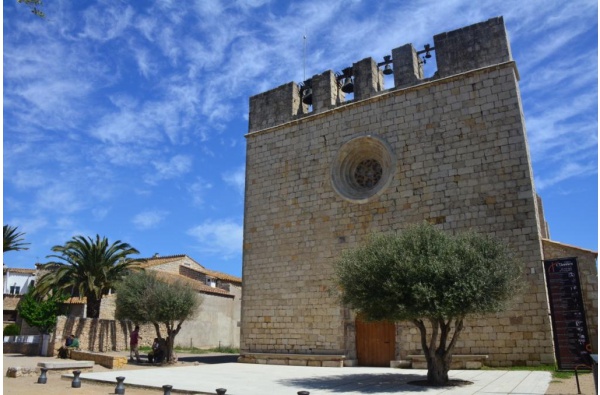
331, 361
26, 345
108, 361
21, 348
458, 361
98, 334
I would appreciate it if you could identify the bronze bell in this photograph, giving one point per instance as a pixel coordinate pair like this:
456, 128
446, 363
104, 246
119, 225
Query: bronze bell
348, 86
307, 96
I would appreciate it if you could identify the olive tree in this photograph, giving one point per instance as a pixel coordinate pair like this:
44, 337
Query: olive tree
144, 298
432, 279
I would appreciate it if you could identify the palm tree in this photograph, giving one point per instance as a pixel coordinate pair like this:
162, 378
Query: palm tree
87, 268
13, 240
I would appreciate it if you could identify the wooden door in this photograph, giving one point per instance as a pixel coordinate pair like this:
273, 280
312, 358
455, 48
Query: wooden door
375, 343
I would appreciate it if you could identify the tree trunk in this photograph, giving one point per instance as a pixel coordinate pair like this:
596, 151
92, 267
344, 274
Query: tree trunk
171, 356
93, 306
438, 351
437, 370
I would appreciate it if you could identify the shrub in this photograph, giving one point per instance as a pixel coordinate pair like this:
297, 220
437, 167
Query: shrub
11, 330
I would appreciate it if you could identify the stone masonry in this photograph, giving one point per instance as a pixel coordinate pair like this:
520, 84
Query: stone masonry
450, 149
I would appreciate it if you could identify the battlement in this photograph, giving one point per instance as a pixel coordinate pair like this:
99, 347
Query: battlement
472, 47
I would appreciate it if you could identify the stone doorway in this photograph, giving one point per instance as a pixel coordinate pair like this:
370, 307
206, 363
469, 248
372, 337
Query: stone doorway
375, 342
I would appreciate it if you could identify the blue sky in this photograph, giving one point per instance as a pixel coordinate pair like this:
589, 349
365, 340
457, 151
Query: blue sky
127, 118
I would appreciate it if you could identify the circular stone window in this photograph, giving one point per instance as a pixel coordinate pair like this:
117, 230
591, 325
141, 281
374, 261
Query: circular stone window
363, 168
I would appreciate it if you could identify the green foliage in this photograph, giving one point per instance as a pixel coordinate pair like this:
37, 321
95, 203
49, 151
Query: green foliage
195, 350
424, 272
11, 330
34, 7
432, 279
89, 267
143, 298
40, 313
13, 240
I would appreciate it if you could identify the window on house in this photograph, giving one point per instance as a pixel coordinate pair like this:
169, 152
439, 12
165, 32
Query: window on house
10, 315
211, 281
15, 290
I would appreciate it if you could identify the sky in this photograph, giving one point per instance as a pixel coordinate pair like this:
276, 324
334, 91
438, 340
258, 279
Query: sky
127, 119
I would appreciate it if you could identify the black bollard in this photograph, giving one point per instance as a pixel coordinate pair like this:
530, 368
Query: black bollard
76, 383
167, 389
303, 393
221, 391
43, 379
120, 388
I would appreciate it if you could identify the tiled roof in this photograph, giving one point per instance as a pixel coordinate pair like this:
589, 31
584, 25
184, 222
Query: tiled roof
18, 270
161, 260
76, 300
195, 285
570, 246
219, 275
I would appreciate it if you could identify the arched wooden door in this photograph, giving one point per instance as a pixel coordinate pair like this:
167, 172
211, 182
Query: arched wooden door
375, 343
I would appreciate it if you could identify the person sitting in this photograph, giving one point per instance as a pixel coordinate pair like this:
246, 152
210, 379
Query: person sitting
63, 351
157, 353
74, 343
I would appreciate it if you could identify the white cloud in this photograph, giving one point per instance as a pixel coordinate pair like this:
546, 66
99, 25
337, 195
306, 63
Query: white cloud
565, 172
173, 168
236, 179
107, 21
60, 198
222, 237
198, 190
149, 219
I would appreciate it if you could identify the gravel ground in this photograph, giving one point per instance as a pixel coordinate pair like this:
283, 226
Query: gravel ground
56, 385
27, 385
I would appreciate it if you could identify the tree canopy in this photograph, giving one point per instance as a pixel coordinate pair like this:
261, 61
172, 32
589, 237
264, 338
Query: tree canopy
431, 278
40, 312
34, 6
13, 240
144, 298
87, 267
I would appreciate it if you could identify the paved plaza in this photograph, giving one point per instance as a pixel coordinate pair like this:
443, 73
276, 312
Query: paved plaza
249, 379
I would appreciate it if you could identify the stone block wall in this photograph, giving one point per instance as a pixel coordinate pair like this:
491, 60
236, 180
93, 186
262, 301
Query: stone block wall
99, 335
216, 321
453, 151
472, 47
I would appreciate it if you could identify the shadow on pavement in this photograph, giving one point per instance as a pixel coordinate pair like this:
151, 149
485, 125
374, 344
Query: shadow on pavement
210, 359
364, 383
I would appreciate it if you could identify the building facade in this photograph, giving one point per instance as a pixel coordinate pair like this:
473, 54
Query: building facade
325, 169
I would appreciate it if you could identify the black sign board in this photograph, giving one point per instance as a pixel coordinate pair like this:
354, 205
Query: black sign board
571, 342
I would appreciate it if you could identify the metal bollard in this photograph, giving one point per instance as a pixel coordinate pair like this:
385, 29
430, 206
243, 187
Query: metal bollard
43, 379
76, 383
120, 388
221, 391
167, 389
303, 393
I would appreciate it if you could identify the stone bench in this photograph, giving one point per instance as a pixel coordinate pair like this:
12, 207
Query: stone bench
108, 361
473, 361
67, 365
324, 360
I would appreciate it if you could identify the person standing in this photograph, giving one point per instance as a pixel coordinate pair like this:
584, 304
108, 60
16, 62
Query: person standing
134, 339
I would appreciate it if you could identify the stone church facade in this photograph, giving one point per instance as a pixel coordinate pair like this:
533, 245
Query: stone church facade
323, 171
